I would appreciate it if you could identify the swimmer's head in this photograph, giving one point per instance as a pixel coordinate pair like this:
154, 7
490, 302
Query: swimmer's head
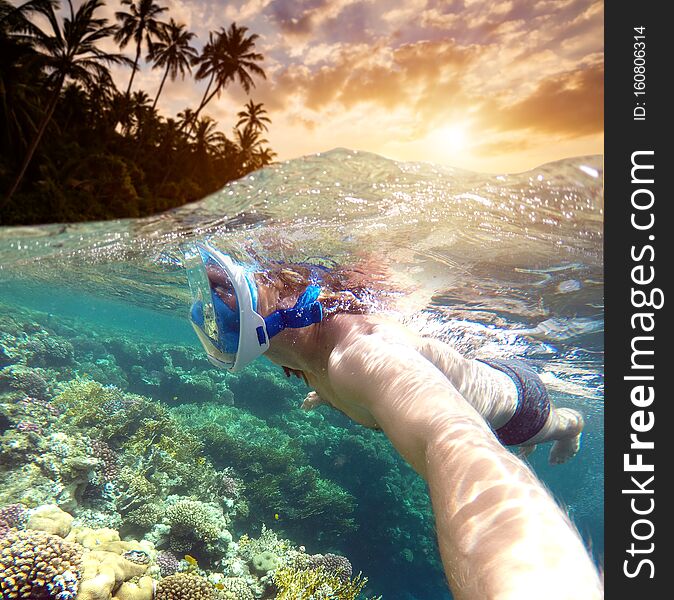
225, 314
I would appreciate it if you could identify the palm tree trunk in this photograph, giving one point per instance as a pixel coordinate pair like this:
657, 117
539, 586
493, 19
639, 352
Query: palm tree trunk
161, 86
201, 105
133, 71
204, 102
36, 140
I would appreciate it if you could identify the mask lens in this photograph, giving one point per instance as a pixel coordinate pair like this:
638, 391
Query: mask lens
215, 311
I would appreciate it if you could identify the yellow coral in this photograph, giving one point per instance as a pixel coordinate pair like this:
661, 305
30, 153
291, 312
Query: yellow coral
106, 570
51, 519
296, 584
143, 590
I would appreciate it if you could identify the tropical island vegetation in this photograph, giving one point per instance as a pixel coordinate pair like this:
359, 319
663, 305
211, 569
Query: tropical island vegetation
74, 147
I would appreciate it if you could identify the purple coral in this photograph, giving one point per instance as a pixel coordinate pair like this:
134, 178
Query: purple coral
13, 515
229, 485
27, 426
107, 458
167, 562
332, 563
30, 402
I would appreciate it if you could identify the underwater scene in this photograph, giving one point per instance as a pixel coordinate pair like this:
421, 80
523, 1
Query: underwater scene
133, 469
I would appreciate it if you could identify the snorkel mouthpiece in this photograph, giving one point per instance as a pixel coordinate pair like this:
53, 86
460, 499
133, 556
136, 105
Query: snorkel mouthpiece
224, 309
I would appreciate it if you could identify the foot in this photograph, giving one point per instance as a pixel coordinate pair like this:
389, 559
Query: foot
563, 450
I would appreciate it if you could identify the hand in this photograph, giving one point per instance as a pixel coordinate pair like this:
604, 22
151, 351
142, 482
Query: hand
312, 401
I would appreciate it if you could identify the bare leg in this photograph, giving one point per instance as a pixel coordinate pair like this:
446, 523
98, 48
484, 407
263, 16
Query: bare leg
495, 398
492, 393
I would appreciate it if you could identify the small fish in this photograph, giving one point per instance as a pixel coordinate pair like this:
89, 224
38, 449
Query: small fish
276, 516
190, 560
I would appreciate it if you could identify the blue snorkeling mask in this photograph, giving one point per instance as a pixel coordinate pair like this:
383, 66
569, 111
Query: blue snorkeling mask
224, 309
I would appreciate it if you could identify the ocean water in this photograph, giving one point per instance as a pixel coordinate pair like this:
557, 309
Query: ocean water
499, 266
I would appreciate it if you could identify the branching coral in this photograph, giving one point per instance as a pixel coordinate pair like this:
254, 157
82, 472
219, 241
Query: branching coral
105, 410
13, 515
333, 564
167, 562
315, 584
267, 541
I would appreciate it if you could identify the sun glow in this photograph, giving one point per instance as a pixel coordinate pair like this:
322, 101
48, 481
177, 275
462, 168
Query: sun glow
451, 139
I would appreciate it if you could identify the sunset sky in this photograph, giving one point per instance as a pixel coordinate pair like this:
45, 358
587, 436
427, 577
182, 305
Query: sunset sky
486, 86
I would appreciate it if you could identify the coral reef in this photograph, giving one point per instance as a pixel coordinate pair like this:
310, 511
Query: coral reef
274, 470
35, 564
197, 528
145, 440
183, 586
234, 588
315, 584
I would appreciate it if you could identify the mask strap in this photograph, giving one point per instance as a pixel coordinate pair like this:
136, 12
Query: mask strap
307, 311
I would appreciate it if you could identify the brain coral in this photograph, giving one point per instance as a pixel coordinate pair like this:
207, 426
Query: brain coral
265, 561
183, 586
38, 566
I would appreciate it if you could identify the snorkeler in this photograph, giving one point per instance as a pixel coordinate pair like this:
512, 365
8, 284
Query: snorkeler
501, 535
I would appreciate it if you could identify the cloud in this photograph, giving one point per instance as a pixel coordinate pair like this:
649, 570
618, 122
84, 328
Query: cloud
299, 18
520, 78
249, 10
414, 74
570, 104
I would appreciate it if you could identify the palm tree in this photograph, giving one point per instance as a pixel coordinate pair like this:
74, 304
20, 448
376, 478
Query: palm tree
20, 76
205, 138
139, 110
139, 22
263, 157
249, 142
67, 51
186, 118
254, 116
172, 51
228, 55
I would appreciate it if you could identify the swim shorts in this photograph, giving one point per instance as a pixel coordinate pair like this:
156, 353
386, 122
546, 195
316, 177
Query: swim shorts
533, 403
